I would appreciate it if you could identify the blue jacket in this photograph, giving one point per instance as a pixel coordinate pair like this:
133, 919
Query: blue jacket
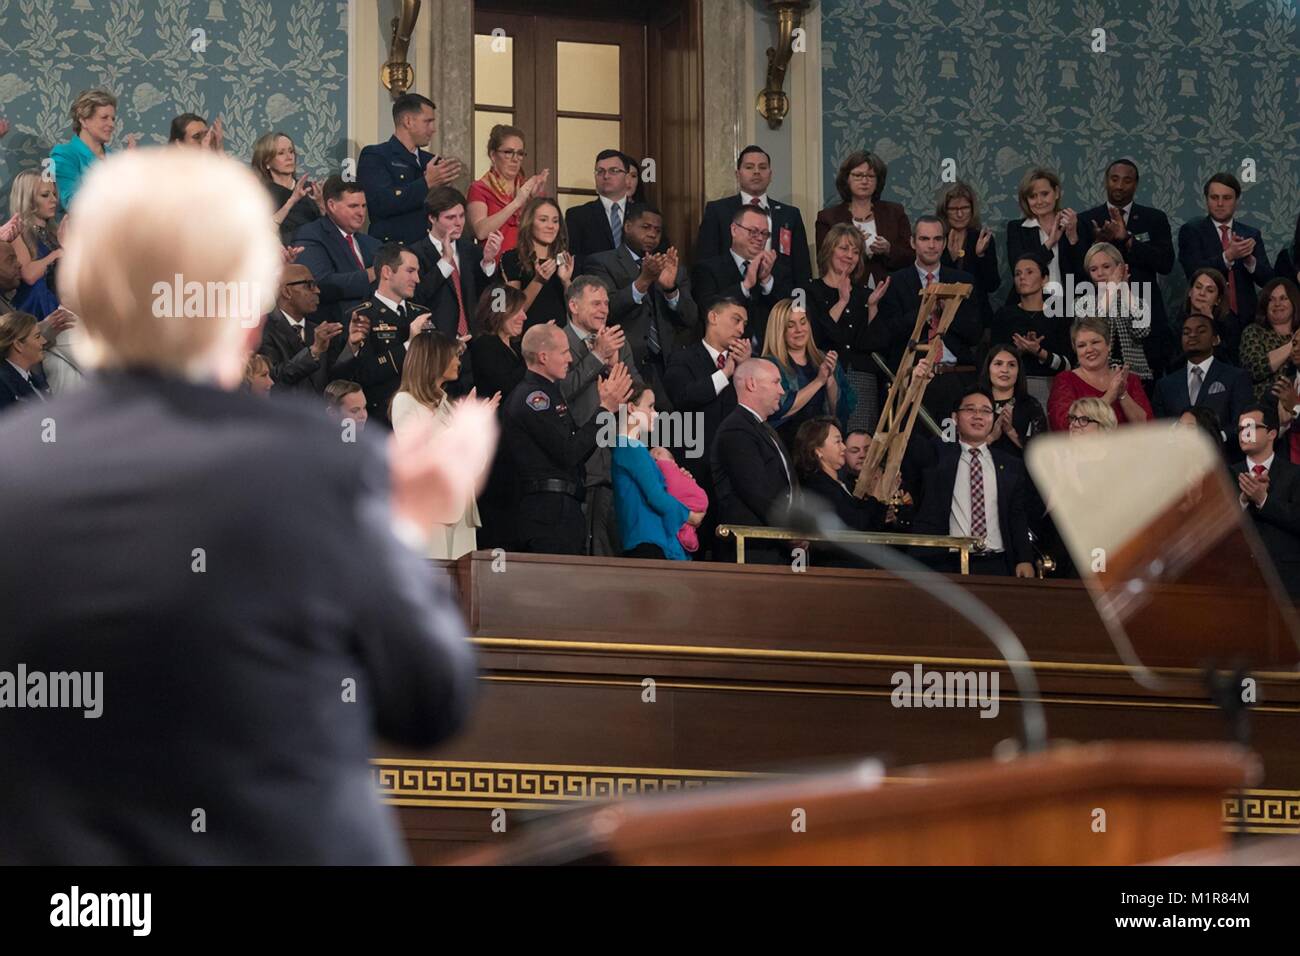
646, 512
71, 160
395, 189
343, 284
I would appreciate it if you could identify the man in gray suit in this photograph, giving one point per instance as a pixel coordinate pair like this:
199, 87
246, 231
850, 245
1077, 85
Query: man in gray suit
238, 583
596, 346
650, 296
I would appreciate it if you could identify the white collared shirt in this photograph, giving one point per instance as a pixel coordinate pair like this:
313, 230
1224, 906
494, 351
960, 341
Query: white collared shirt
1205, 373
1250, 470
447, 261
949, 357
299, 326
719, 378
959, 518
766, 287
610, 203
1054, 267
392, 304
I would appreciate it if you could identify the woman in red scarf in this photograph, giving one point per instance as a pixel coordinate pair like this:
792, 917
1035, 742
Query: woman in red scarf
496, 200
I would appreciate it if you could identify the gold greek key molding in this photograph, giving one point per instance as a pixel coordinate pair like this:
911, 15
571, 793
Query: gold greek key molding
469, 784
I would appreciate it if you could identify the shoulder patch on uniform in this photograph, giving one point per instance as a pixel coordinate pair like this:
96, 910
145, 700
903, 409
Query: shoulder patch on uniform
538, 401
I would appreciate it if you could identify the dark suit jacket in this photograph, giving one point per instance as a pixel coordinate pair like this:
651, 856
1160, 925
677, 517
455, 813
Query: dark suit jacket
896, 318
15, 390
293, 367
302, 593
689, 380
343, 285
1199, 247
934, 475
395, 189
435, 291
1226, 391
1148, 258
891, 222
720, 276
588, 230
1278, 522
715, 234
1022, 239
858, 514
675, 326
752, 475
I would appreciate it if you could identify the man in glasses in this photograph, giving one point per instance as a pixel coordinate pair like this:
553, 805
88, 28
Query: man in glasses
300, 350
787, 236
748, 271
597, 226
968, 489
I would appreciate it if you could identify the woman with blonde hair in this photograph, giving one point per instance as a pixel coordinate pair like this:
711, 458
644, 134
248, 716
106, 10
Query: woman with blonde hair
275, 160
540, 264
498, 197
1108, 297
421, 406
1090, 416
257, 376
815, 384
35, 202
1045, 226
94, 116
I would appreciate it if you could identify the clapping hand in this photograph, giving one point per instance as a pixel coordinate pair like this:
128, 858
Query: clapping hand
442, 171
1253, 489
564, 266
492, 246
668, 273
766, 263
323, 335
1029, 344
982, 243
358, 329
878, 293
545, 269
750, 278
289, 253
609, 341
879, 246
616, 388
9, 231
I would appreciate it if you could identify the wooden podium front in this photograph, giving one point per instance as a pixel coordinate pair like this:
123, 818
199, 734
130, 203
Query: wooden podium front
1098, 804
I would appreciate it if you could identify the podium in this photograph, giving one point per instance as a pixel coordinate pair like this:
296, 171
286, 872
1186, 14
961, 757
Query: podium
1105, 804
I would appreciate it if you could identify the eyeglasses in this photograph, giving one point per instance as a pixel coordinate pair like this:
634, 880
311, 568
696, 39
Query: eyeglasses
612, 171
975, 410
513, 153
956, 209
761, 234
310, 283
1081, 420
861, 177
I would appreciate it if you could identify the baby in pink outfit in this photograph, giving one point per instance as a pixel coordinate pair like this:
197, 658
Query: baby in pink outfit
684, 488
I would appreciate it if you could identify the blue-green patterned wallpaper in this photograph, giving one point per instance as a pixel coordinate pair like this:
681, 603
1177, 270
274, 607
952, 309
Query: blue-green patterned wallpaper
268, 64
1185, 88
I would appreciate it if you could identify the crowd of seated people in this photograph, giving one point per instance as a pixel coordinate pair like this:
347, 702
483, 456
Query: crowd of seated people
741, 376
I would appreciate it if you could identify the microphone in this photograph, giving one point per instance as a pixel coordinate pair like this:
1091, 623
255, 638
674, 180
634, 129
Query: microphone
813, 516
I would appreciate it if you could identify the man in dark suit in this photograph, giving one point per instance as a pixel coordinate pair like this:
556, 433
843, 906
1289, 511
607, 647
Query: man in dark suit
746, 271
454, 271
397, 174
1143, 238
698, 379
299, 350
785, 228
597, 226
1234, 249
21, 349
1204, 381
753, 477
967, 489
338, 254
386, 322
218, 542
651, 300
891, 332
1270, 491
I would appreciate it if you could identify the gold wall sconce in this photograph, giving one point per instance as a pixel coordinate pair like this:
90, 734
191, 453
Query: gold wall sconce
397, 75
773, 102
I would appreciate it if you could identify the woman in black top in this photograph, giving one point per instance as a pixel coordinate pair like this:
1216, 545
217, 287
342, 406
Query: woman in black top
840, 307
1017, 415
1041, 341
541, 265
818, 458
297, 201
1046, 228
498, 367
970, 246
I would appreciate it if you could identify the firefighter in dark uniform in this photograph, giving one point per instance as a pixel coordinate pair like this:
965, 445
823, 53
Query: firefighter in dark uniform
386, 322
546, 446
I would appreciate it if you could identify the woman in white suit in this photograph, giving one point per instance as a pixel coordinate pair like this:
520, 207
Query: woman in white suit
421, 405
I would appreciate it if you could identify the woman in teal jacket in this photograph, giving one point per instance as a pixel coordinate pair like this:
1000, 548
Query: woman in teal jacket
648, 516
94, 116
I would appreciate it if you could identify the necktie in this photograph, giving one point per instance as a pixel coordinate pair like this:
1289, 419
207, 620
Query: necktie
616, 224
934, 315
755, 201
401, 311
356, 252
978, 521
744, 268
722, 360
1258, 470
1224, 238
462, 324
302, 332
780, 451
652, 334
1195, 382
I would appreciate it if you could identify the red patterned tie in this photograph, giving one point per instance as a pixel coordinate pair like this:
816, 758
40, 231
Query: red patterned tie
722, 360
1224, 238
978, 521
356, 253
462, 325
1259, 470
